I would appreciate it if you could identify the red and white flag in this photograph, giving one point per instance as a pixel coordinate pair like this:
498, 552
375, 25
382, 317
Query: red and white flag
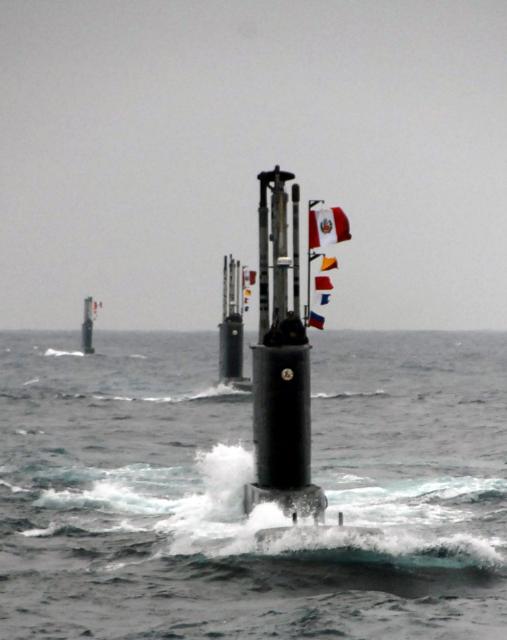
328, 226
248, 277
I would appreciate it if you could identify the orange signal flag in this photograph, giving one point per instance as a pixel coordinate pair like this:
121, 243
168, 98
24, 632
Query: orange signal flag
328, 263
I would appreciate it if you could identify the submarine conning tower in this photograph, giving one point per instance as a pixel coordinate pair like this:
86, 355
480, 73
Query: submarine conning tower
231, 327
87, 327
281, 364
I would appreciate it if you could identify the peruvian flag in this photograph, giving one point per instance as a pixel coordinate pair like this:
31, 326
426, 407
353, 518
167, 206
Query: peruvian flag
249, 277
328, 226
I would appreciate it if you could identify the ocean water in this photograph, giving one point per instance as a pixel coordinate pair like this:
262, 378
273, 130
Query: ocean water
121, 480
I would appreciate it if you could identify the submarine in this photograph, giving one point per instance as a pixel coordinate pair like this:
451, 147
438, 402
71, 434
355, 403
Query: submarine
281, 373
231, 328
87, 327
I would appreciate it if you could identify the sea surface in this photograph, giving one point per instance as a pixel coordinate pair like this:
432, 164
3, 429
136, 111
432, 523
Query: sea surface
121, 478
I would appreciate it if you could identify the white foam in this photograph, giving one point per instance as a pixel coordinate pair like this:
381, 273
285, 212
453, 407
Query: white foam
161, 399
219, 390
29, 382
124, 525
13, 487
350, 477
212, 392
40, 533
124, 398
225, 470
423, 490
399, 546
202, 521
413, 502
105, 495
350, 394
138, 356
56, 353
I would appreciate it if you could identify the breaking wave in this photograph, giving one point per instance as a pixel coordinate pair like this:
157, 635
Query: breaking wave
104, 495
12, 487
392, 547
351, 394
30, 382
216, 392
199, 511
57, 354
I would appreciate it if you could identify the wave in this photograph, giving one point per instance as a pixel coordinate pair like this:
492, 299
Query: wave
423, 502
347, 478
218, 392
54, 530
112, 398
106, 485
198, 510
215, 392
30, 382
465, 489
57, 354
13, 488
445, 488
351, 394
392, 547
211, 524
224, 391
104, 495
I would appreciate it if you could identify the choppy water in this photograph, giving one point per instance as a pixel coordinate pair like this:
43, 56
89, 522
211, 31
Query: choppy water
121, 479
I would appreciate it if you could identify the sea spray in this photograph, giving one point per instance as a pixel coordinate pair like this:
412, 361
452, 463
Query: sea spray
225, 471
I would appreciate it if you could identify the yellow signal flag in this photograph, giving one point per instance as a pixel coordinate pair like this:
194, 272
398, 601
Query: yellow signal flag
328, 263
247, 293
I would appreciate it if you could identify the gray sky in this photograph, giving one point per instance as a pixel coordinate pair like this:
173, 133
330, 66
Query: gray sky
132, 134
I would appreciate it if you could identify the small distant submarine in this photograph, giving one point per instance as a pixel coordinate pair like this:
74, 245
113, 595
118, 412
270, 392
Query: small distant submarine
281, 375
87, 327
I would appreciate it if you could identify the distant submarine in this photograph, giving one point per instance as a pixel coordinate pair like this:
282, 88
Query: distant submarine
87, 327
231, 328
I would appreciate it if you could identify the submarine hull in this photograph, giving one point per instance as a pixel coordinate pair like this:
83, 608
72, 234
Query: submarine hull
87, 337
231, 351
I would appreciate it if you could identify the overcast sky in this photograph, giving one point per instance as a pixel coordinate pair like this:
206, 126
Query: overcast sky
132, 134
